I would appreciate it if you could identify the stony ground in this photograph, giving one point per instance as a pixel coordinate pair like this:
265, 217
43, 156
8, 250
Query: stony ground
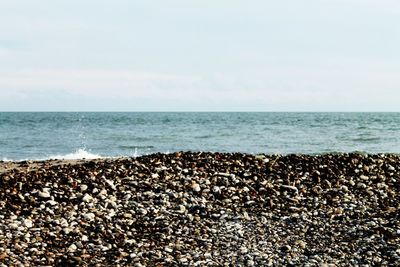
202, 209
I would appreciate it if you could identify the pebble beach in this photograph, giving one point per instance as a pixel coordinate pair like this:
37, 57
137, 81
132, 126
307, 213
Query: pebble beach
202, 209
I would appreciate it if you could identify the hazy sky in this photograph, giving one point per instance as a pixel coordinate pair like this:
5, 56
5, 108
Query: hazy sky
200, 55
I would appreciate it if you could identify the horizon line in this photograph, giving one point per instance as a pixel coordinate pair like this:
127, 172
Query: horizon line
186, 111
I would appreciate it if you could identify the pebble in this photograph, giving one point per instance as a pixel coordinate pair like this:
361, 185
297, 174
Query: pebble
52, 202
44, 194
28, 223
13, 226
290, 187
72, 248
87, 198
181, 209
89, 216
83, 187
250, 263
196, 187
286, 248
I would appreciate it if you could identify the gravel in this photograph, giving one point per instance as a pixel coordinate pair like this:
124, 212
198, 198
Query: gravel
202, 209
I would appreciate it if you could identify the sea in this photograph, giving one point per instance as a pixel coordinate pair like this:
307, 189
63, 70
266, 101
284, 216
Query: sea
76, 135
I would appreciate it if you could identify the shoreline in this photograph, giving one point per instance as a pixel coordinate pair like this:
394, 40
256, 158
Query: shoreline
37, 164
202, 209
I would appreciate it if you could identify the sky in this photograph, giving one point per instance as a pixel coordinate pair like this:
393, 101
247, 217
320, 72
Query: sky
199, 55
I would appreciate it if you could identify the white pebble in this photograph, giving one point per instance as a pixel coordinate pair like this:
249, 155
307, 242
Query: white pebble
89, 216
44, 194
52, 202
250, 263
83, 187
67, 230
28, 223
110, 184
143, 211
196, 187
182, 209
13, 226
72, 248
87, 198
216, 189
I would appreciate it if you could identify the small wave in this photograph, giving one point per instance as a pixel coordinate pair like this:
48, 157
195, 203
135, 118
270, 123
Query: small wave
393, 128
366, 139
79, 154
203, 137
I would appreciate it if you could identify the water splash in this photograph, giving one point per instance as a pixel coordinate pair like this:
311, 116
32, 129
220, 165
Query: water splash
78, 154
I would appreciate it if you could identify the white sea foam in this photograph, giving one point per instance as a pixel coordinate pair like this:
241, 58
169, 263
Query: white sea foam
78, 154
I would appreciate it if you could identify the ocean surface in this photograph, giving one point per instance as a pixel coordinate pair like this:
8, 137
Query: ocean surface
71, 135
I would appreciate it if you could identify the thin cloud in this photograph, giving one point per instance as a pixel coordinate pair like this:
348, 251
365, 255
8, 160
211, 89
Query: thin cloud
107, 82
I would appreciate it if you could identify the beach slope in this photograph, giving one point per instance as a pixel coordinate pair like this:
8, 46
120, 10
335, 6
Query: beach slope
202, 209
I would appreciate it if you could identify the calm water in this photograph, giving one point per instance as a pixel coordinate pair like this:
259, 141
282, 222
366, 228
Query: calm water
76, 135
